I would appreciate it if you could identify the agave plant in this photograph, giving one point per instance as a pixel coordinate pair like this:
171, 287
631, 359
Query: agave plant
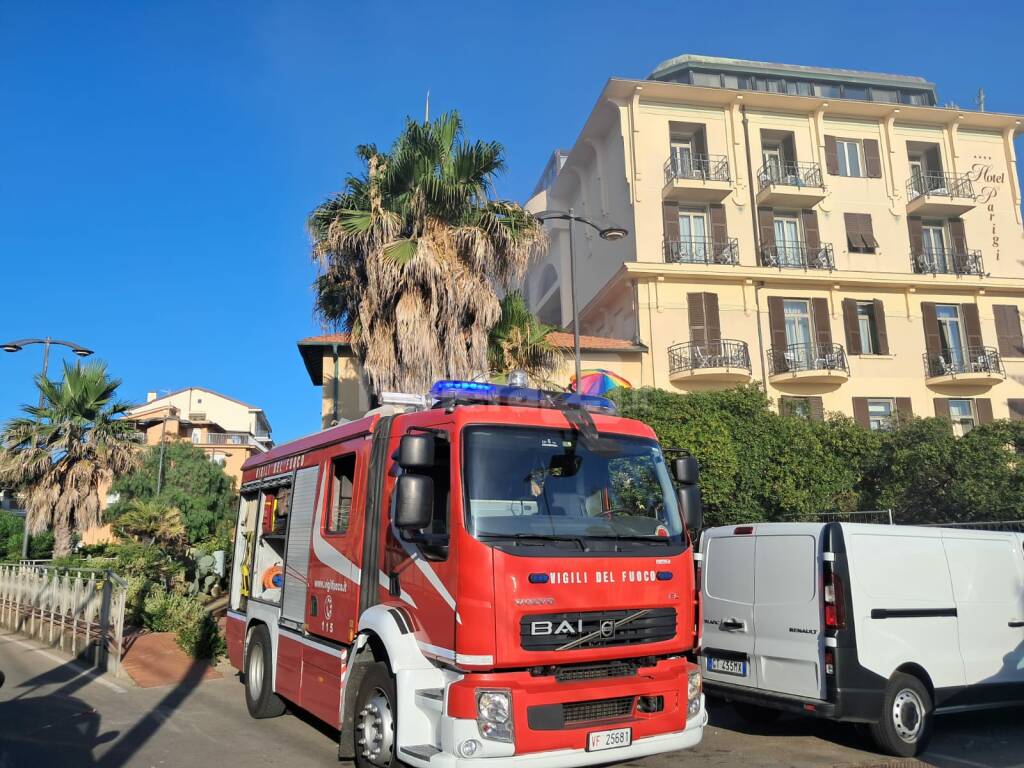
412, 254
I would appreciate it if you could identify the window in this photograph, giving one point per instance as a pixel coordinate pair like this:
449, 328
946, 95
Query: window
867, 324
787, 241
692, 237
860, 235
855, 92
344, 477
933, 240
962, 414
826, 90
802, 407
885, 94
798, 88
951, 335
682, 159
712, 80
881, 414
197, 436
849, 157
730, 81
220, 459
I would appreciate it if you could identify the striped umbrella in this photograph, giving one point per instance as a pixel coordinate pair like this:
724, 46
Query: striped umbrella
598, 381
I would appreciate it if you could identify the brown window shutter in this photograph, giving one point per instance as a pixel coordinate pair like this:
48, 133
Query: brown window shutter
719, 230
817, 409
766, 225
789, 148
904, 408
822, 325
853, 236
867, 232
942, 407
1016, 408
811, 236
712, 320
972, 324
700, 142
678, 130
860, 412
853, 342
958, 235
916, 235
786, 405
670, 213
1008, 332
831, 156
698, 322
880, 330
932, 340
777, 331
983, 407
872, 159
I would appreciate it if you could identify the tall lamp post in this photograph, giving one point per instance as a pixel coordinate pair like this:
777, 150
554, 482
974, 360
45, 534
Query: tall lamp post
606, 233
17, 346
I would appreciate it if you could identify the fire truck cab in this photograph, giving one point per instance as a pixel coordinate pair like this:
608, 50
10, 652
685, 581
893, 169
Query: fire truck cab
499, 575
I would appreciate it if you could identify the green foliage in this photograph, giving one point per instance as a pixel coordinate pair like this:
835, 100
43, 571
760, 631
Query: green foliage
192, 483
195, 628
12, 527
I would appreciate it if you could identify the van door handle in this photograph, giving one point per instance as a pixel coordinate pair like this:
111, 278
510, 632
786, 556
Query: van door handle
733, 625
1018, 623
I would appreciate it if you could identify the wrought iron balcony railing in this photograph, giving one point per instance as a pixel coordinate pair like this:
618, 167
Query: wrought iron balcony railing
939, 185
798, 256
703, 251
701, 167
725, 353
813, 356
229, 438
790, 174
948, 262
966, 360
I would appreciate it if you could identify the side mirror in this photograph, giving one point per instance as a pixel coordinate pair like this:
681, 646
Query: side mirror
414, 504
416, 452
690, 507
686, 470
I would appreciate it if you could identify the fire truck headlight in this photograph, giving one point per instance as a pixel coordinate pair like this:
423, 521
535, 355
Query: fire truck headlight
693, 685
494, 714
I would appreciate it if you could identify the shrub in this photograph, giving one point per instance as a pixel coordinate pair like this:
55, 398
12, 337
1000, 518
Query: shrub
195, 628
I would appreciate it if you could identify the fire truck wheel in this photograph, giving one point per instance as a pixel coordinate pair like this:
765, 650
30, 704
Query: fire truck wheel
376, 719
260, 698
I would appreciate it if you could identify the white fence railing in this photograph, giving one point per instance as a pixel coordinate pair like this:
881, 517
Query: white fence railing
79, 611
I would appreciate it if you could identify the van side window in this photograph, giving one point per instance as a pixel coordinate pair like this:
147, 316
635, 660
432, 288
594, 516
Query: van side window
343, 476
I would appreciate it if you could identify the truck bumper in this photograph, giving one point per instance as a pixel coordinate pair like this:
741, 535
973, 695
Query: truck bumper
689, 737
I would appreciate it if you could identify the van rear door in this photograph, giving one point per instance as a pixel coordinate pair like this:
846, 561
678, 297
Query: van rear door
728, 585
789, 643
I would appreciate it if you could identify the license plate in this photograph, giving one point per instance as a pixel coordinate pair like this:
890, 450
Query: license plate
727, 666
617, 737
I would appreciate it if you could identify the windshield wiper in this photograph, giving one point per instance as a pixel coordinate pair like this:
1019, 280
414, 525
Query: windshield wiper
517, 537
630, 537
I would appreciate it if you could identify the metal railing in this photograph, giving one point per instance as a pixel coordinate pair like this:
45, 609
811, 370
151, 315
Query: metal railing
814, 356
703, 250
948, 261
1008, 526
967, 360
939, 185
798, 256
790, 174
725, 353
700, 167
229, 438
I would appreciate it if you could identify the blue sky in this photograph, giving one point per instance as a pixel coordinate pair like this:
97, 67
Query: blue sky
157, 160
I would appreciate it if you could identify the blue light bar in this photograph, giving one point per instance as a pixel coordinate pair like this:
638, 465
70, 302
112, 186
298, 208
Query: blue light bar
503, 394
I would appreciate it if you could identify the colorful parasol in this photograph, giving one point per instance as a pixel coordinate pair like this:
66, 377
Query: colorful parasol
598, 381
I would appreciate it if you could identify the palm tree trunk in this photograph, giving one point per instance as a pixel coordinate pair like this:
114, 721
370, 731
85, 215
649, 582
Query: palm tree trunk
62, 540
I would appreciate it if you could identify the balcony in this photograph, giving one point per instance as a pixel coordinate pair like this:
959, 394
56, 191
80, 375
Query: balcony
697, 179
725, 361
240, 439
949, 262
813, 363
798, 256
702, 251
939, 194
790, 185
972, 366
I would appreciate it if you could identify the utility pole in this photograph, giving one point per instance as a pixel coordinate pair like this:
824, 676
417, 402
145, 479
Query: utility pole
160, 468
981, 100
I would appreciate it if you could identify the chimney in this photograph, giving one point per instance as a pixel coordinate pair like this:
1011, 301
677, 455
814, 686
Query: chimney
150, 397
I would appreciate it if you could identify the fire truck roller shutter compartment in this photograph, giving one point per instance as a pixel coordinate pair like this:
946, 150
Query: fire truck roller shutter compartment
300, 527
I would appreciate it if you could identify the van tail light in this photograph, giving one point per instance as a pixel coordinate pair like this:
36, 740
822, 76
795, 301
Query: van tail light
833, 597
830, 662
698, 602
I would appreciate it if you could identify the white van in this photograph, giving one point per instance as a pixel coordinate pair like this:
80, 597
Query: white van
877, 624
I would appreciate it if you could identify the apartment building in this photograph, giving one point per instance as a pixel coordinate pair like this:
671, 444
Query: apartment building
834, 235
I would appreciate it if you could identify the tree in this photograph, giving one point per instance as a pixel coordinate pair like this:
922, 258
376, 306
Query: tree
520, 341
412, 251
151, 522
65, 451
193, 484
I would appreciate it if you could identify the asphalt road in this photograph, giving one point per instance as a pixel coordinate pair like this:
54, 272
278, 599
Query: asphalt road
53, 713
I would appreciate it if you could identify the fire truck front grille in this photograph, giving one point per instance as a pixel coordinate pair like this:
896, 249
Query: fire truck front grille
594, 671
601, 709
596, 629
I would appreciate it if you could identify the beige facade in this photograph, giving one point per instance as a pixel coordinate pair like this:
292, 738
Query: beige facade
858, 256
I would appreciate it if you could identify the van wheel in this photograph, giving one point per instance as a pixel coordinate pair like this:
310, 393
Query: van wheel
906, 722
376, 719
755, 715
260, 699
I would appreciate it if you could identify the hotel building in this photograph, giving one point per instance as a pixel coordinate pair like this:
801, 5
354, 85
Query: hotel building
837, 236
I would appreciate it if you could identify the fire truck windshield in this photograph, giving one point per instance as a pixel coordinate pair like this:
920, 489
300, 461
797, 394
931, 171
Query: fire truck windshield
535, 483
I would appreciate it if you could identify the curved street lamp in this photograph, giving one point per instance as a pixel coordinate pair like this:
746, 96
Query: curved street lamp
17, 346
607, 233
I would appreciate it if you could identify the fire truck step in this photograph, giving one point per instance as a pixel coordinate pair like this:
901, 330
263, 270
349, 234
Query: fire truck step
430, 698
421, 751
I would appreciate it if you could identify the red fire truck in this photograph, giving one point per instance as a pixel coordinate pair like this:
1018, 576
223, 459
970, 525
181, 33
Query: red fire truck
502, 574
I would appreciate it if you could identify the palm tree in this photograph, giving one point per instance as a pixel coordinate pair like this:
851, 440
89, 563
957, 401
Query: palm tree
412, 252
63, 452
520, 340
152, 522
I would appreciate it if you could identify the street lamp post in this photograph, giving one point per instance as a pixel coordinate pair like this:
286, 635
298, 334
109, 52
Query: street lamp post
607, 233
17, 346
